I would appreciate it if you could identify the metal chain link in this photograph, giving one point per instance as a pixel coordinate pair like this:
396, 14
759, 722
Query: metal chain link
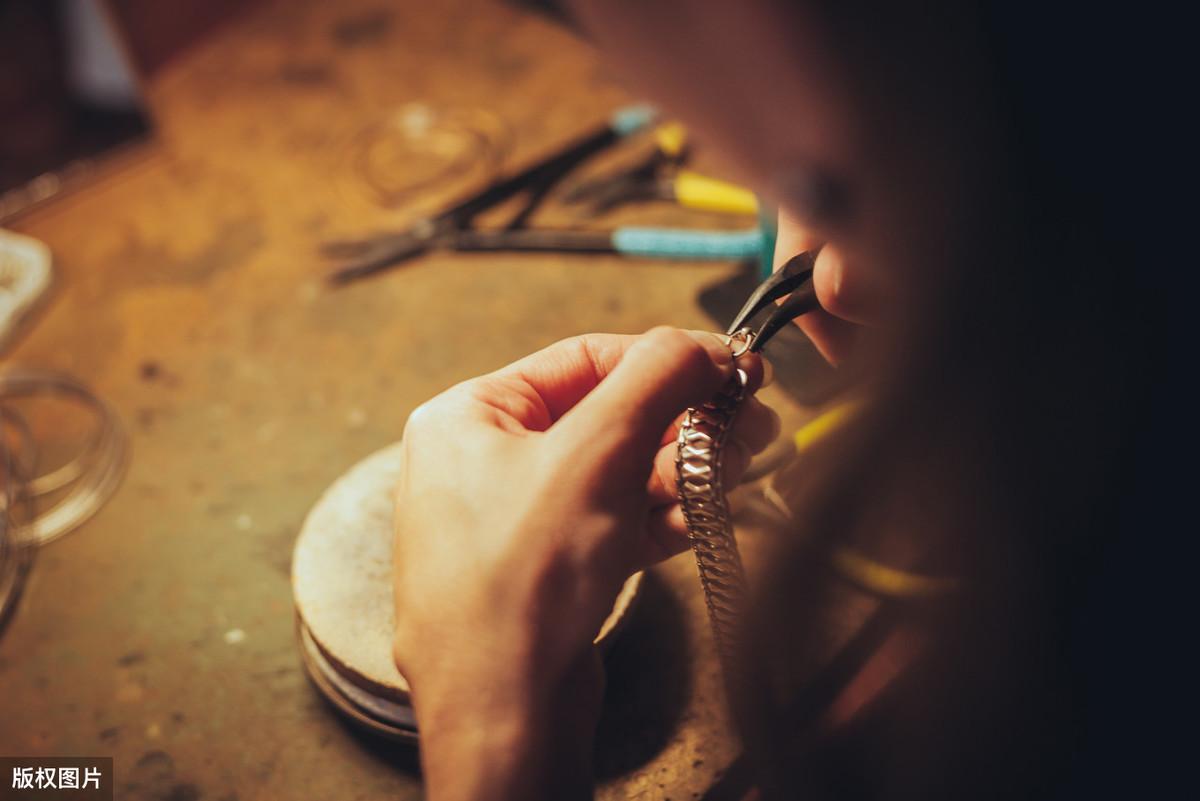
698, 466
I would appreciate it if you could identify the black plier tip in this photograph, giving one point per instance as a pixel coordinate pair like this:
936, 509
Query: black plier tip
794, 280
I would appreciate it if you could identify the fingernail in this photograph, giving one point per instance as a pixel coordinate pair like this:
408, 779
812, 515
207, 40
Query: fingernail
717, 347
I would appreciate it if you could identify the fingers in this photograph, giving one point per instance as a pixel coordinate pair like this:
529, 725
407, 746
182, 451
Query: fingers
559, 376
565, 372
664, 372
833, 337
792, 238
759, 374
845, 292
666, 536
842, 289
756, 426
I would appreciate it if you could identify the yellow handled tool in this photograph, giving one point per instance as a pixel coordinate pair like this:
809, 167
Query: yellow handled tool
698, 191
660, 176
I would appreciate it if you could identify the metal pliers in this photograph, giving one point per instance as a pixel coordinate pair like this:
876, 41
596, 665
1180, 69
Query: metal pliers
662, 176
793, 283
454, 227
366, 256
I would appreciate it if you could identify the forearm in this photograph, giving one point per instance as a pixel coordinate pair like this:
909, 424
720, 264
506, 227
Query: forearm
517, 757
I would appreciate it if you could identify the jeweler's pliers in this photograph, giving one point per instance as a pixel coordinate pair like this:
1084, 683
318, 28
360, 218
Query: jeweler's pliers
793, 283
454, 228
366, 256
662, 176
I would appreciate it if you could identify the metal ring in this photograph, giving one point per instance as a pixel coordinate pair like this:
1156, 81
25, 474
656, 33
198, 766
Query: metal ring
744, 338
93, 475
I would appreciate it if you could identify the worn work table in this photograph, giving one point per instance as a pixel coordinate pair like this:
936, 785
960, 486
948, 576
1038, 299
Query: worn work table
188, 295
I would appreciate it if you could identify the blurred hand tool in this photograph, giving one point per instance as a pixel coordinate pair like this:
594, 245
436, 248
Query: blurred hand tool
370, 255
655, 243
661, 176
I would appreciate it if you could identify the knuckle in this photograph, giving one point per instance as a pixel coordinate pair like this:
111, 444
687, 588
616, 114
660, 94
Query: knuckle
665, 336
402, 646
677, 347
483, 389
580, 344
430, 415
421, 418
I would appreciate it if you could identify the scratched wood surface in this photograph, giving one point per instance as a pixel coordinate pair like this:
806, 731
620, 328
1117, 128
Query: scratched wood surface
189, 295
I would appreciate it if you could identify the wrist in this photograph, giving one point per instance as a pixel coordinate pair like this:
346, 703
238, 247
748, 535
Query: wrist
472, 753
499, 738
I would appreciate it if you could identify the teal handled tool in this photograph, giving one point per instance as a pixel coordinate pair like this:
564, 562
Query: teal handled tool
367, 256
653, 243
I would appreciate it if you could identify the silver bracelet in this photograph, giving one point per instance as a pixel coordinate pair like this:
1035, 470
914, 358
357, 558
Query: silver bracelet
698, 481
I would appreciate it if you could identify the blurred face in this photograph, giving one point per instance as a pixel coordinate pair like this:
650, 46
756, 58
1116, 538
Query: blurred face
853, 126
757, 85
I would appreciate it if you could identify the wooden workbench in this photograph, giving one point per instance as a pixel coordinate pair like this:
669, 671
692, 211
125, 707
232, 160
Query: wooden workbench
188, 294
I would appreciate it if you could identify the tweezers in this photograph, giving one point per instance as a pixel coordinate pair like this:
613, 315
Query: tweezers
793, 283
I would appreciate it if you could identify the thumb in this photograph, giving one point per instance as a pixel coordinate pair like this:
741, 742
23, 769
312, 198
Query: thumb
660, 375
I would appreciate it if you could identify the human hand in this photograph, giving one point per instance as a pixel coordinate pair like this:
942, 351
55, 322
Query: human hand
845, 291
527, 497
